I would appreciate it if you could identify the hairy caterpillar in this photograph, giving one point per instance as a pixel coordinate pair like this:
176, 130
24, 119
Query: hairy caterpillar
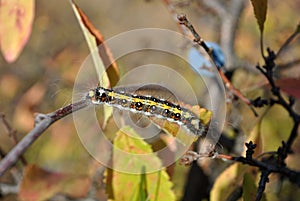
149, 106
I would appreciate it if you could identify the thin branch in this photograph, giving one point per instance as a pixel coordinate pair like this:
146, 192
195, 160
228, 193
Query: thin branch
267, 164
264, 179
288, 65
174, 14
261, 40
199, 40
12, 133
268, 71
42, 122
289, 40
294, 176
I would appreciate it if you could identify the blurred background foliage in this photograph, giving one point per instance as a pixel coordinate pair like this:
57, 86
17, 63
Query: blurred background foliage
41, 79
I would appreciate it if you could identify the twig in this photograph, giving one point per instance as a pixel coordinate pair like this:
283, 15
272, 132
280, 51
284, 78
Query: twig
267, 164
42, 122
264, 179
267, 70
289, 40
199, 40
12, 133
294, 176
173, 12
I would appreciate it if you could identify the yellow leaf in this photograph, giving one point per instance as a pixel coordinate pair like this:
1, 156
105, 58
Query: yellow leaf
227, 182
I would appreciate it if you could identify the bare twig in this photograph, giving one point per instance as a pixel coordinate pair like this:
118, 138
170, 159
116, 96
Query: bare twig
268, 71
289, 40
174, 14
264, 179
12, 133
267, 164
199, 40
42, 122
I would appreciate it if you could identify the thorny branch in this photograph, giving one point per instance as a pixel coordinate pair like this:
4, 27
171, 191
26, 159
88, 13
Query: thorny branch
42, 122
275, 163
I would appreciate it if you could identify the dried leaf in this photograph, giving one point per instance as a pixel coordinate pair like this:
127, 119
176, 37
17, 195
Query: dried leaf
16, 17
40, 184
260, 12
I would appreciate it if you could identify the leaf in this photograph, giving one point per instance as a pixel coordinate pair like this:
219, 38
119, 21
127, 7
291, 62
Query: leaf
290, 86
40, 184
16, 17
227, 182
256, 138
276, 125
143, 194
156, 184
260, 12
249, 188
95, 41
102, 57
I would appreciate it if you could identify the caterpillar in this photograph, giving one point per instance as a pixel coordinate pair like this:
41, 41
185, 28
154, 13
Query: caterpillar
149, 106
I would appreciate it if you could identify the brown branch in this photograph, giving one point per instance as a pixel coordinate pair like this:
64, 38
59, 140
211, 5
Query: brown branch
12, 133
174, 14
199, 40
288, 41
42, 122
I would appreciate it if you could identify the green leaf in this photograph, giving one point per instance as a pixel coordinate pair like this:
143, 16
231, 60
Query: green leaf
260, 12
276, 125
16, 17
155, 185
143, 194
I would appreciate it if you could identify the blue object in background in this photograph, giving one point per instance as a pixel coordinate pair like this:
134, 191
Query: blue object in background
199, 62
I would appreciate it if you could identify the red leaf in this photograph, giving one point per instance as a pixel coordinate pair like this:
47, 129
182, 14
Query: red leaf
290, 86
40, 184
16, 18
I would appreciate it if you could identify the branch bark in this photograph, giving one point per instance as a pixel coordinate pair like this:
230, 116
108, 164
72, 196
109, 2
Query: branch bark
42, 122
